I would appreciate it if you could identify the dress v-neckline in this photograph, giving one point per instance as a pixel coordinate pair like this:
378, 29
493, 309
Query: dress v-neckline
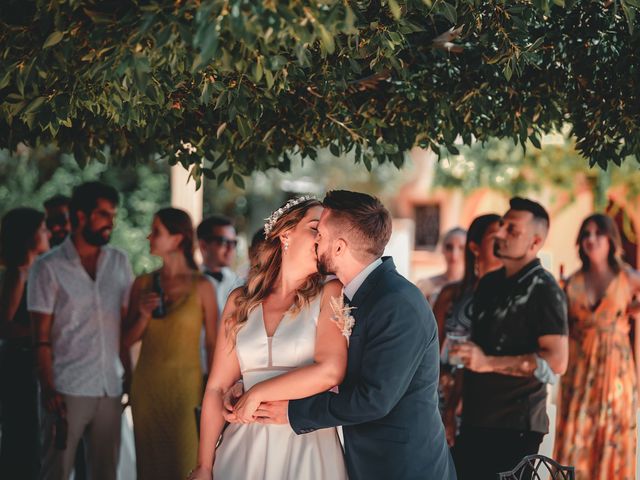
182, 299
264, 325
594, 306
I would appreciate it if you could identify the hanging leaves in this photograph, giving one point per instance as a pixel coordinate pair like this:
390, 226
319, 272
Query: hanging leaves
251, 83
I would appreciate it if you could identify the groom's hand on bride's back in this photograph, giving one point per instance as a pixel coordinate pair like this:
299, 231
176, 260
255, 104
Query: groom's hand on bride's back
273, 413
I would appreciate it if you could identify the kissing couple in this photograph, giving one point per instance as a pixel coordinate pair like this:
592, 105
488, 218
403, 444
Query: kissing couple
288, 337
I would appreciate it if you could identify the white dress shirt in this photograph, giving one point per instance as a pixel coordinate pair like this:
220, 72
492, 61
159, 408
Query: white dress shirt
352, 287
85, 333
224, 287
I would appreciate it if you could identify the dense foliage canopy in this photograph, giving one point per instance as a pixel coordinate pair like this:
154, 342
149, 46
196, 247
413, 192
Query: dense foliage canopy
234, 86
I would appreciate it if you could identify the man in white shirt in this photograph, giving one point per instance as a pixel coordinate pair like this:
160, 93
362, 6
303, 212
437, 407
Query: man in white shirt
77, 294
218, 241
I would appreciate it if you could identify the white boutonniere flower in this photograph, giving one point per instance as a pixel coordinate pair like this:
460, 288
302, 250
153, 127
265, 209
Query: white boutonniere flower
342, 316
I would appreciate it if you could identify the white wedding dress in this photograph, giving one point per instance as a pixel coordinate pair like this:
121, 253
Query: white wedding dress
275, 452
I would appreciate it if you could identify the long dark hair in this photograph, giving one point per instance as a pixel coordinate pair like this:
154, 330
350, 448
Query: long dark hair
607, 226
18, 235
476, 232
179, 222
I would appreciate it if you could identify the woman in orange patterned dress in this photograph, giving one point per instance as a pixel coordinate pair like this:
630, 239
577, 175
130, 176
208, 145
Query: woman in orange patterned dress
596, 430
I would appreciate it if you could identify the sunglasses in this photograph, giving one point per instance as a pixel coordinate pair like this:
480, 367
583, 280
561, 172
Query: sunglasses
223, 241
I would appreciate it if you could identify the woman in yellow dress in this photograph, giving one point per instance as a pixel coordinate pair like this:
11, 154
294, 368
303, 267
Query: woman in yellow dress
596, 431
167, 311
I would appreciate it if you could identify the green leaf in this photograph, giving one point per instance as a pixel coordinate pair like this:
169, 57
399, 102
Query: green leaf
209, 46
14, 98
53, 39
221, 129
207, 91
257, 71
630, 15
6, 78
449, 12
535, 141
395, 9
238, 180
243, 127
507, 72
34, 105
536, 44
268, 76
326, 39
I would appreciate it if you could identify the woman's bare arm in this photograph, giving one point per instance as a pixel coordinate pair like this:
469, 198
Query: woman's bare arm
207, 294
441, 309
327, 371
141, 304
224, 372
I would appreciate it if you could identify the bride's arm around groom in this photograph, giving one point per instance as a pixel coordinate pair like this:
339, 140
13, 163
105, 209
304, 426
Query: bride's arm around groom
326, 371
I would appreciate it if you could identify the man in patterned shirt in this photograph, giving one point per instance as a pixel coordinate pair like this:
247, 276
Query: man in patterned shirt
77, 295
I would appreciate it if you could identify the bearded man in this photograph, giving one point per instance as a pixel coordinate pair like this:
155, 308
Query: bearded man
77, 295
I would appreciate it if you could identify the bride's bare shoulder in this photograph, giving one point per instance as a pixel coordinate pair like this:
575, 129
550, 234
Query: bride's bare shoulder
332, 288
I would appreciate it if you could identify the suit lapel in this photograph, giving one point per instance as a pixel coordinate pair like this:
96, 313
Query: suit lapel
368, 286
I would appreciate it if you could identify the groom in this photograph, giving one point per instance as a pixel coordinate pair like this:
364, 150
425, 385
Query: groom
388, 402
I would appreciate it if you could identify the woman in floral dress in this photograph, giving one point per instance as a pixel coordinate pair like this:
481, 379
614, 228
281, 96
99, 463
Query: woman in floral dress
596, 431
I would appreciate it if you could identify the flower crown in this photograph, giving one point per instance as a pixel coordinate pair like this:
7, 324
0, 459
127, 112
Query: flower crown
275, 216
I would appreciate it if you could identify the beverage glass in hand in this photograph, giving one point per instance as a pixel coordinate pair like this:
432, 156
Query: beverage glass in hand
161, 310
453, 340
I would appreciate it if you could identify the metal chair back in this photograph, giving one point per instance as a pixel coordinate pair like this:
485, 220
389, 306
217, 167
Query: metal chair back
539, 467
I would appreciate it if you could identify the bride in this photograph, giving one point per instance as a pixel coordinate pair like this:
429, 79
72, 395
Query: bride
278, 335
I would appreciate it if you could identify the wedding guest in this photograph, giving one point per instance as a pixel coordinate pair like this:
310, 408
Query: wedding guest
452, 309
77, 294
58, 222
596, 430
218, 241
167, 311
453, 252
23, 236
519, 343
59, 225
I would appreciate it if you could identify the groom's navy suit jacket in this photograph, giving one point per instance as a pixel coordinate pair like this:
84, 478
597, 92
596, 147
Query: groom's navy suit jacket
388, 402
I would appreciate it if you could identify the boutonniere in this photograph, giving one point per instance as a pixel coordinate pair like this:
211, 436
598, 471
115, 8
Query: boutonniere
342, 316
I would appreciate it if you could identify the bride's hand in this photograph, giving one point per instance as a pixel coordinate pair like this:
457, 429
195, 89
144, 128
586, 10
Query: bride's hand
229, 399
246, 406
200, 473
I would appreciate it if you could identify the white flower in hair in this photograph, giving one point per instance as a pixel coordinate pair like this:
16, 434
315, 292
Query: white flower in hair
275, 216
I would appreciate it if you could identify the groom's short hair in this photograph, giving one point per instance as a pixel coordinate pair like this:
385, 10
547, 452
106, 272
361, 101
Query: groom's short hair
361, 218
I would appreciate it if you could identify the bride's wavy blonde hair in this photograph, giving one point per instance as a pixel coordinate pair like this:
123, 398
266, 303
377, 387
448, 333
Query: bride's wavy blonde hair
264, 273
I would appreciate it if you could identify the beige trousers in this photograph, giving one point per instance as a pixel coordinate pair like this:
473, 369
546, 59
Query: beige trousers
95, 420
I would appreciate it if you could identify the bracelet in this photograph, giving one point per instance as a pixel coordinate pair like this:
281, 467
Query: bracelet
43, 344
